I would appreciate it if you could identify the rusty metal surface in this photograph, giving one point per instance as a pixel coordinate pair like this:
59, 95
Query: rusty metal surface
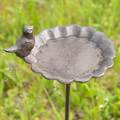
71, 53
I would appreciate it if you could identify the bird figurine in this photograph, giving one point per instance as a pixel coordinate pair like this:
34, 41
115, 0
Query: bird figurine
25, 44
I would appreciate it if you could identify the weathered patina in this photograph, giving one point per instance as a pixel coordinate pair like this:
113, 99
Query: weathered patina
66, 54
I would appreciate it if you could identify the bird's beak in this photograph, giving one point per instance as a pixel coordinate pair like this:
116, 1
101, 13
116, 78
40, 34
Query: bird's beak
12, 49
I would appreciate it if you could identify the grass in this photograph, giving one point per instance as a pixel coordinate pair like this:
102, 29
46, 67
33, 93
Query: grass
25, 95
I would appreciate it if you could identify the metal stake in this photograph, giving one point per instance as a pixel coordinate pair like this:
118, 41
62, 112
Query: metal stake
67, 101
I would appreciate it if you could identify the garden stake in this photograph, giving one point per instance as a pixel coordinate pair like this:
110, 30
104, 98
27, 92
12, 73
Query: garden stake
66, 53
67, 102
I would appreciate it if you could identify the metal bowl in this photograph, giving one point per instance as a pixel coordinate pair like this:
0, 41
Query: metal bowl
71, 53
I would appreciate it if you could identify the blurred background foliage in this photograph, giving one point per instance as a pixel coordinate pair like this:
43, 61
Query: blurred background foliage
25, 95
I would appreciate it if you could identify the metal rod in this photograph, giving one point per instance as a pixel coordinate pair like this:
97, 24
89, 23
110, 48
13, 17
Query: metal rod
67, 101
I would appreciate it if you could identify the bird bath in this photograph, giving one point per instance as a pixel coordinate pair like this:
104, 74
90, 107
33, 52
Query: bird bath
67, 54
